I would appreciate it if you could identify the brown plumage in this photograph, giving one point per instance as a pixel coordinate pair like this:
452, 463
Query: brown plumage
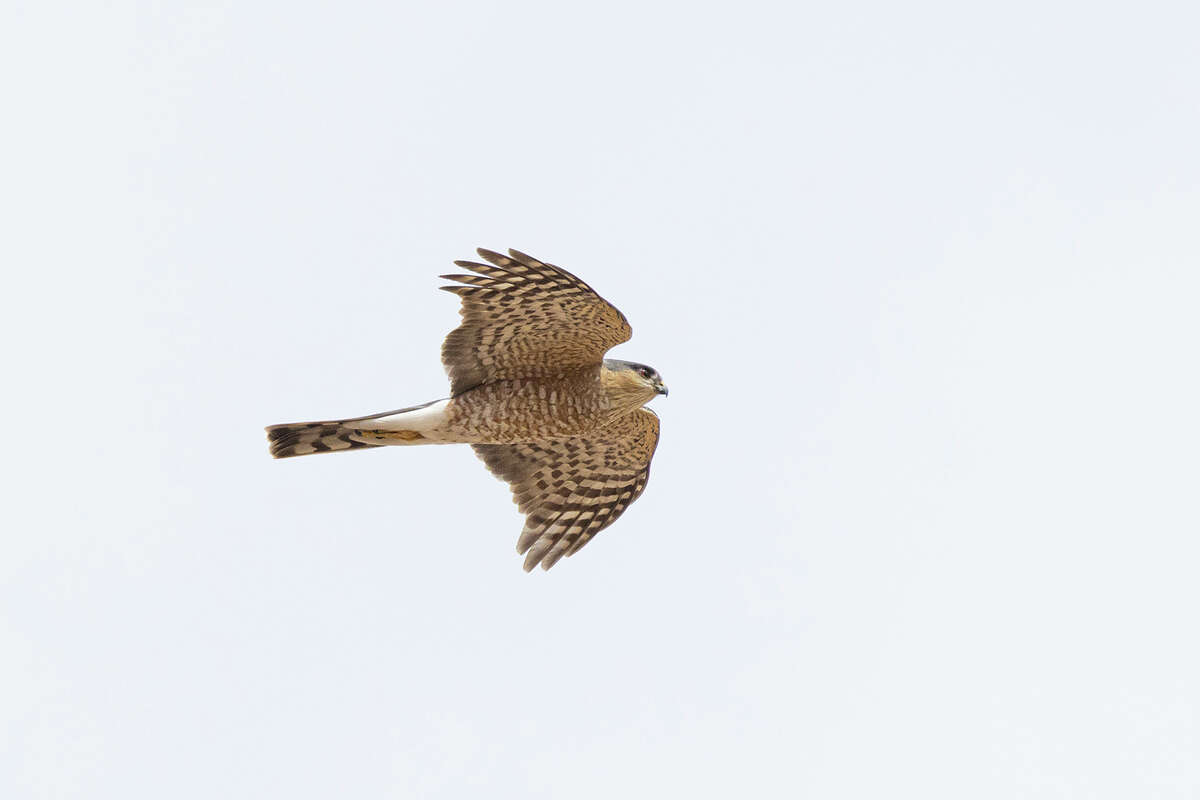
533, 394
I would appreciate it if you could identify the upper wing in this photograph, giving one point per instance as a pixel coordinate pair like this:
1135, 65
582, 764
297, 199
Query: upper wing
571, 489
523, 318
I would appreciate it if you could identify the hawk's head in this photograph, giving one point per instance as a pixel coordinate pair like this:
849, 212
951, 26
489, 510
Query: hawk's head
629, 377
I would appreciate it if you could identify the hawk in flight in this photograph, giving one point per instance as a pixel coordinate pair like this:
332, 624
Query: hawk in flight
531, 392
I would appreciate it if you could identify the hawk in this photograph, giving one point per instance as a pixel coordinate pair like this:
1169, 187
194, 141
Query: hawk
531, 392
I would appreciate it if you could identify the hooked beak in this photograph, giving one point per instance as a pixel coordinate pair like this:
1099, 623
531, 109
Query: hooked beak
662, 389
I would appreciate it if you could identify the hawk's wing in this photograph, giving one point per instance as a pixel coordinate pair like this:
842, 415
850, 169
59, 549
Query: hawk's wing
571, 489
525, 319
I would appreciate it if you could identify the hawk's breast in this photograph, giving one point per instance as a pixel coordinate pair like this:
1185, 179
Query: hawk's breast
526, 410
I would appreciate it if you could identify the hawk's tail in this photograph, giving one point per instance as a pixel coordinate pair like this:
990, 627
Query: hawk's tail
306, 438
417, 425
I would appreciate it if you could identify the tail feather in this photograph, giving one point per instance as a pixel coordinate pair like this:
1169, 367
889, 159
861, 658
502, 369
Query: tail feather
306, 438
402, 426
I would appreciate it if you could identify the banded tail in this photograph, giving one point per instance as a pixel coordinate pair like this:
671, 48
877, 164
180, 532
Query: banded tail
416, 425
306, 438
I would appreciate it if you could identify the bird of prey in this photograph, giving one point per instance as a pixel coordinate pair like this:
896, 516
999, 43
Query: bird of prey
531, 392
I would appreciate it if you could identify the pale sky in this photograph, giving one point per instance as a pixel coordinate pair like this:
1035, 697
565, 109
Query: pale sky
922, 279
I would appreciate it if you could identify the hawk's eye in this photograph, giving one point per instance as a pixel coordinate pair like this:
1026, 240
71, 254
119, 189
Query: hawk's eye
645, 372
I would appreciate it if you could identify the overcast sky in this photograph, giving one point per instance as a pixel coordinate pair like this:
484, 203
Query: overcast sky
922, 279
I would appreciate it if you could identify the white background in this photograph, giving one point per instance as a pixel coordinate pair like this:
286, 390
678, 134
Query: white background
922, 280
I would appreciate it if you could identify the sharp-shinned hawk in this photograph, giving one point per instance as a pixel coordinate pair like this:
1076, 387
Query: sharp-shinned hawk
531, 392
